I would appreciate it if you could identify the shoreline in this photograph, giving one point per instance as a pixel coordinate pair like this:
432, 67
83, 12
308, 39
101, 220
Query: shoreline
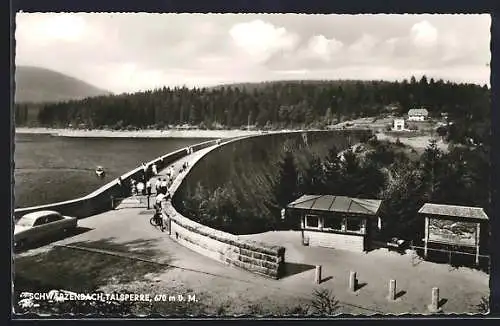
195, 133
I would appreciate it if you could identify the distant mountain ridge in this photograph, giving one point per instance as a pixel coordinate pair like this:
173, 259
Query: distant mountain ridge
41, 85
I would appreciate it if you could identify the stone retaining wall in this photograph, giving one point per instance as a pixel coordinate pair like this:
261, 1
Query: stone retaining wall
224, 247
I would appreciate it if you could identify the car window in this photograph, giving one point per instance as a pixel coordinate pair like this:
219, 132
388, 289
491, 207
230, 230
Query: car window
53, 218
25, 221
40, 221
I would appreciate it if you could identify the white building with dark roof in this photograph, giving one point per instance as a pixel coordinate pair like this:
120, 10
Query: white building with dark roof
338, 222
418, 114
398, 124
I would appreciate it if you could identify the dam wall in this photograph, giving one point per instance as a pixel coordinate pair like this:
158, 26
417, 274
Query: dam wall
256, 257
251, 161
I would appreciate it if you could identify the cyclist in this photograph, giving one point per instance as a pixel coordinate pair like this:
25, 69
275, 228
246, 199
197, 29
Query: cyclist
158, 220
158, 200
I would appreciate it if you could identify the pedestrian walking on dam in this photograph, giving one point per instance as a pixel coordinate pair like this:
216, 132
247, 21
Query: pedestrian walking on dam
122, 186
159, 198
140, 188
148, 188
157, 184
145, 170
164, 186
154, 168
133, 189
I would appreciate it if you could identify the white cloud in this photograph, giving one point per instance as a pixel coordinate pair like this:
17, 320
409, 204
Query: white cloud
424, 34
323, 48
127, 52
260, 40
363, 46
50, 28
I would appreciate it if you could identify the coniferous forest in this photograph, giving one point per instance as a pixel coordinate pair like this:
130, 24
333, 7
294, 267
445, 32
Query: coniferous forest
289, 104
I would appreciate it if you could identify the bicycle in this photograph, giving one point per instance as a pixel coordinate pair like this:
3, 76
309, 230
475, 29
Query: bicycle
157, 222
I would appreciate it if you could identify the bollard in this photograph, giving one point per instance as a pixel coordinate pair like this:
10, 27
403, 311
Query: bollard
352, 281
392, 290
434, 306
317, 278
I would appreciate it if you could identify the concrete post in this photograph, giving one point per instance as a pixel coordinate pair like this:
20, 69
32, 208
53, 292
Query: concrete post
478, 232
392, 290
434, 306
352, 281
317, 276
426, 239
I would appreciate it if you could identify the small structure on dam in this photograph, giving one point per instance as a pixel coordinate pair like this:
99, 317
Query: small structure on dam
337, 221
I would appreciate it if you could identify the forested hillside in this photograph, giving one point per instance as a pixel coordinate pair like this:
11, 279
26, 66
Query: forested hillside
268, 105
40, 85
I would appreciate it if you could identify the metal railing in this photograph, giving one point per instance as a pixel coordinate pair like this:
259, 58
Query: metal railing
417, 258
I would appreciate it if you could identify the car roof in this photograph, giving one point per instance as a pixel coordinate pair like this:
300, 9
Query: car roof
35, 215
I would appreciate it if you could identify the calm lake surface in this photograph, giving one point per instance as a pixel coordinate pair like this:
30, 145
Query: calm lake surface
50, 169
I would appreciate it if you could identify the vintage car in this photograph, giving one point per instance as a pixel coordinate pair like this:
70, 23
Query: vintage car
41, 225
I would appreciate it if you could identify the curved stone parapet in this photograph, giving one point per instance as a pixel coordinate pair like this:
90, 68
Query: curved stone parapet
100, 200
256, 257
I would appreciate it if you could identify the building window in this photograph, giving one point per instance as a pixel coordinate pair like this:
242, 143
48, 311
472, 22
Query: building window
355, 224
312, 221
333, 223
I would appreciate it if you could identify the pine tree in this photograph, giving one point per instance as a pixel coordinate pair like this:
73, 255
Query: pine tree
287, 181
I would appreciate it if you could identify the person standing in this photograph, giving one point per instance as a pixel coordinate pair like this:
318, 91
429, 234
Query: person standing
157, 184
164, 186
140, 188
148, 188
154, 168
159, 198
132, 187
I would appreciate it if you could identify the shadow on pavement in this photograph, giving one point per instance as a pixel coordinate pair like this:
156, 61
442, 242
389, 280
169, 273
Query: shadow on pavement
44, 242
399, 294
296, 268
361, 285
442, 302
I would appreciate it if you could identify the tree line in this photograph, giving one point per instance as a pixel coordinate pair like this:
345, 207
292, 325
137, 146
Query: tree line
265, 105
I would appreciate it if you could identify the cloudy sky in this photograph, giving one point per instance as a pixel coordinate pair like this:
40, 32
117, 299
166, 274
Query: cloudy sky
130, 52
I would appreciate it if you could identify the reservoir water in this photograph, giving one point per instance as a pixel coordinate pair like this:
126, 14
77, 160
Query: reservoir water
50, 168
